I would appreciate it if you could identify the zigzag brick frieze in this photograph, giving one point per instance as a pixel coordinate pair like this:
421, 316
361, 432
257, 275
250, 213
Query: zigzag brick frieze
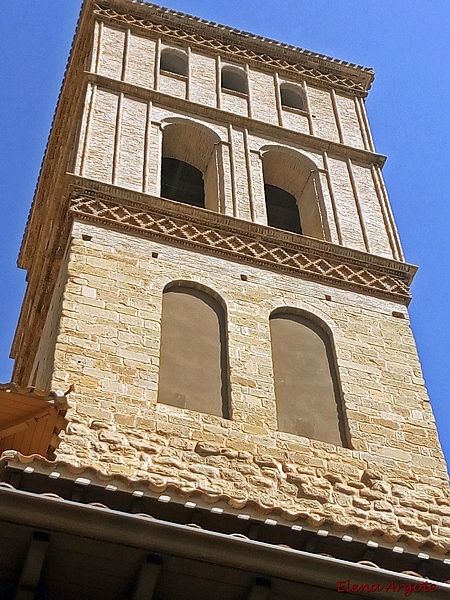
216, 239
219, 46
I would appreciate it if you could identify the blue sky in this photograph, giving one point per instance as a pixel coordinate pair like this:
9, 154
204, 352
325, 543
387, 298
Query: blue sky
406, 42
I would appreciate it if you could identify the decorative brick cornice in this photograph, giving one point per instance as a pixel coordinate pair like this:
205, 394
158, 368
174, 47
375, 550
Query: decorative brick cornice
238, 46
239, 240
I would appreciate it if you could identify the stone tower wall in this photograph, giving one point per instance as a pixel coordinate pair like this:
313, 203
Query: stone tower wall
392, 477
112, 245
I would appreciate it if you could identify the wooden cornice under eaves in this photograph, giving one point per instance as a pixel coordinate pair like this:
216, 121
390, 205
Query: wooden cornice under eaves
31, 420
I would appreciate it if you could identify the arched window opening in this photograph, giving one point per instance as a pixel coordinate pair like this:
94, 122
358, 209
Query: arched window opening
293, 192
189, 171
173, 61
194, 355
282, 209
291, 98
234, 79
305, 376
182, 182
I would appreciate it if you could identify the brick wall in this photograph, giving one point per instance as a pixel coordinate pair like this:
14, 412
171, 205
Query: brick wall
115, 147
332, 116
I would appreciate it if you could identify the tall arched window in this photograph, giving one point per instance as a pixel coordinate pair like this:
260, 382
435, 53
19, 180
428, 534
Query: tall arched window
293, 192
194, 356
189, 172
306, 383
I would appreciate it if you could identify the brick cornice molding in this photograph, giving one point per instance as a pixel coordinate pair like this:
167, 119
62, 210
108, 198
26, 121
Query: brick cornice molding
239, 240
236, 45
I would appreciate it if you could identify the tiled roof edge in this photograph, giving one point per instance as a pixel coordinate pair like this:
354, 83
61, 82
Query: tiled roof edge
87, 474
58, 398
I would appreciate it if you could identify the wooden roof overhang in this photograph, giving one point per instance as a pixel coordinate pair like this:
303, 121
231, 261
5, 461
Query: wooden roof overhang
30, 420
56, 548
95, 536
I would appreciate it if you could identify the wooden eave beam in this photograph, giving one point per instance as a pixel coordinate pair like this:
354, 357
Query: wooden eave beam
22, 423
148, 577
31, 571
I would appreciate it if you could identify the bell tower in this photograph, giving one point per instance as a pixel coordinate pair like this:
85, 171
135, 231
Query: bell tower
213, 263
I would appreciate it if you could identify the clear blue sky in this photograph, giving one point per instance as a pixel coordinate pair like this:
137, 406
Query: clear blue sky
407, 42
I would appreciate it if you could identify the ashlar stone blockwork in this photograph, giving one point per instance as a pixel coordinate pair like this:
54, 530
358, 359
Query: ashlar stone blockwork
390, 482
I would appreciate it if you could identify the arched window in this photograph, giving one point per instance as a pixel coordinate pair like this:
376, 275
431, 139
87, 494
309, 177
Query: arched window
234, 79
291, 97
282, 209
183, 182
194, 356
174, 61
306, 384
293, 192
189, 172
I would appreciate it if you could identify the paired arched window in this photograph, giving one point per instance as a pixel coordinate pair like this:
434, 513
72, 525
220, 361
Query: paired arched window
293, 192
234, 79
292, 97
306, 385
174, 61
194, 368
192, 173
194, 355
189, 171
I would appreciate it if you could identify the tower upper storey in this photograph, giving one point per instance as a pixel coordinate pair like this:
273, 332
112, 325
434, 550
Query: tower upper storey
252, 116
272, 134
251, 148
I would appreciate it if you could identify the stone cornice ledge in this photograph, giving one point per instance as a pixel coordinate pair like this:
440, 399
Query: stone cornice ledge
270, 130
240, 240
